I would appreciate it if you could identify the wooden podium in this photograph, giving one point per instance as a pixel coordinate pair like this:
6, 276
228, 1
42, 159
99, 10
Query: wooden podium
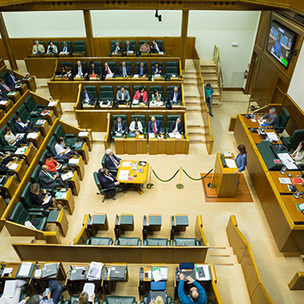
226, 182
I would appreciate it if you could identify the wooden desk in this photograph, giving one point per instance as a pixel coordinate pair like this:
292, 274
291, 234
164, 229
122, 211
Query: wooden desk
258, 138
119, 144
37, 141
10, 186
2, 208
7, 105
20, 170
68, 201
157, 145
135, 145
283, 188
84, 152
43, 128
74, 181
41, 67
59, 218
55, 106
14, 96
29, 153
79, 167
109, 283
87, 137
290, 203
50, 118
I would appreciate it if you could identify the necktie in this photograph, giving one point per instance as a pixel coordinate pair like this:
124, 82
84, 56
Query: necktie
7, 88
110, 177
124, 71
50, 176
37, 48
115, 162
154, 128
65, 49
108, 71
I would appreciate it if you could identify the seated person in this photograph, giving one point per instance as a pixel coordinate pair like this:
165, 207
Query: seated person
272, 117
155, 47
124, 70
298, 154
197, 294
128, 48
65, 71
141, 96
107, 71
141, 70
22, 126
136, 126
87, 97
53, 165
3, 96
156, 69
112, 162
156, 97
155, 126
5, 162
123, 96
92, 70
40, 198
175, 96
12, 80
38, 48
145, 48
84, 299
61, 150
119, 127
52, 49
20, 284
80, 70
4, 88
177, 126
65, 49
116, 48
50, 180
14, 140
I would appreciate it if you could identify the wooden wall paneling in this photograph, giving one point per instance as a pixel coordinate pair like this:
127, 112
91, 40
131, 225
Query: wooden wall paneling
184, 33
15, 229
41, 67
297, 282
65, 92
260, 295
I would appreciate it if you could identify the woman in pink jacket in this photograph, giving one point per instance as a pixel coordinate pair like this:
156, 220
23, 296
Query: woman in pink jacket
141, 96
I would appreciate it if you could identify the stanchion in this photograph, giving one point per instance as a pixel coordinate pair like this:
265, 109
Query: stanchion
150, 185
180, 185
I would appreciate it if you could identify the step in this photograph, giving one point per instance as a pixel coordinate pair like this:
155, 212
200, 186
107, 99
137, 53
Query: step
192, 102
197, 141
196, 132
206, 61
208, 69
210, 76
194, 126
193, 109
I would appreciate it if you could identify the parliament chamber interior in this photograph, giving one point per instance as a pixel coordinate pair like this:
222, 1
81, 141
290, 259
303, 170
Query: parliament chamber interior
151, 152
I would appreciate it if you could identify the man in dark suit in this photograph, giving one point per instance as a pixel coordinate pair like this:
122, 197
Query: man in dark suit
50, 180
4, 88
175, 96
154, 126
177, 126
141, 70
12, 80
272, 117
107, 180
65, 48
108, 70
22, 126
111, 161
3, 96
124, 70
119, 127
128, 48
87, 96
80, 69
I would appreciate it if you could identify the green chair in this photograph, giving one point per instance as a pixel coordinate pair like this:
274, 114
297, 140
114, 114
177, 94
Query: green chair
79, 48
185, 242
67, 64
93, 90
3, 142
142, 119
99, 241
106, 93
160, 64
168, 90
126, 87
132, 44
158, 117
156, 242
42, 157
113, 44
158, 88
170, 119
31, 106
103, 164
169, 301
119, 300
20, 215
27, 202
283, 117
113, 66
128, 241
102, 190
171, 69
4, 76
11, 123
160, 44
70, 139
128, 64
26, 115
123, 118
292, 142
35, 174
51, 148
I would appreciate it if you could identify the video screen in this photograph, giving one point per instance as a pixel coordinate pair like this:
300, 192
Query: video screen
280, 42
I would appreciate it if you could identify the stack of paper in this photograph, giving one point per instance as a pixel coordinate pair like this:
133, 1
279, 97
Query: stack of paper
159, 273
20, 151
3, 102
52, 103
151, 135
13, 166
272, 136
61, 195
73, 161
7, 271
25, 269
40, 121
83, 134
123, 175
287, 161
67, 175
94, 272
32, 135
230, 163
9, 288
126, 164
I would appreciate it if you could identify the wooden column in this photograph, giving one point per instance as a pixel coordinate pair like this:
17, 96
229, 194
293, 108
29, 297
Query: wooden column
184, 34
89, 32
7, 44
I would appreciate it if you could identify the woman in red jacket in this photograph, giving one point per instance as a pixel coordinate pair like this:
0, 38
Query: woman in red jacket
141, 96
53, 165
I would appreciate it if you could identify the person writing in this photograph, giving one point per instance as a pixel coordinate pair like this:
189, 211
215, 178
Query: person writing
40, 198
108, 72
141, 96
197, 294
53, 165
298, 154
156, 97
241, 159
273, 118
61, 150
176, 126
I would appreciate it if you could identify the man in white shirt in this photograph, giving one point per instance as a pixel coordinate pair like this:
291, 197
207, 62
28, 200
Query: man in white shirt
80, 70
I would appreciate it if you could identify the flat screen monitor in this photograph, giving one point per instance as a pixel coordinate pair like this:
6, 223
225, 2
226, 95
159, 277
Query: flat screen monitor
281, 41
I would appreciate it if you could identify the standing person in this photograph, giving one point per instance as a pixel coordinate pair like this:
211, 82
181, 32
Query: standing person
197, 294
209, 96
298, 154
241, 159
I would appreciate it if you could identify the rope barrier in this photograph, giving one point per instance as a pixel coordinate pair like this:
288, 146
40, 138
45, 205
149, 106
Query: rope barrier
197, 179
167, 180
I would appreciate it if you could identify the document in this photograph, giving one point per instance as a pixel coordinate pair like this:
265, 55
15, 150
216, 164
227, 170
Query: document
123, 175
67, 175
230, 163
160, 273
83, 134
20, 135
73, 161
68, 150
126, 164
13, 166
272, 136
61, 195
29, 224
25, 269
9, 288
253, 120
151, 135
40, 121
45, 112
287, 161
52, 103
3, 102
202, 272
47, 200
94, 272
7, 271
171, 135
300, 207
135, 75
32, 135
37, 273
20, 151
285, 180
89, 288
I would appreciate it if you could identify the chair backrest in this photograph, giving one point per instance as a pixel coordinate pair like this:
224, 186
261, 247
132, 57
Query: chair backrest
42, 43
153, 63
25, 196
51, 145
126, 87
2, 133
128, 63
23, 112
106, 92
92, 89
68, 43
137, 64
4, 75
158, 117
34, 176
78, 48
42, 157
30, 103
97, 182
19, 215
11, 123
59, 132
136, 88
120, 300
169, 89
158, 88
297, 136
112, 65
132, 43
160, 44
123, 117
68, 64
171, 118
98, 67
141, 118
284, 117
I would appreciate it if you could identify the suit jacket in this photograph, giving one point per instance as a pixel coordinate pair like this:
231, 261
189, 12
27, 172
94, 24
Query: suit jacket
95, 70
106, 182
144, 70
54, 51
159, 70
137, 96
126, 95
273, 119
11, 80
19, 128
44, 180
159, 127
179, 95
3, 90
83, 68
130, 48
123, 125
109, 163
91, 97
154, 49
69, 49
180, 127
129, 72
40, 48
105, 71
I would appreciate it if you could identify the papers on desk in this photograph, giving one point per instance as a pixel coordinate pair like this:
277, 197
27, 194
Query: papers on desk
7, 272
123, 175
29, 224
40, 121
25, 269
228, 154
159, 273
157, 75
73, 161
126, 164
45, 112
285, 180
161, 53
61, 195
68, 150
141, 136
3, 102
67, 175
89, 288
47, 200
83, 133
135, 75
287, 161
13, 166
94, 272
135, 101
20, 151
202, 273
174, 135
32, 135
300, 207
272, 136
109, 75
52, 103
37, 273
253, 120
20, 135
151, 135
9, 288
230, 163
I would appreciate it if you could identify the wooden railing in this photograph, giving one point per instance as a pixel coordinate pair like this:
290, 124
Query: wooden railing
219, 73
204, 107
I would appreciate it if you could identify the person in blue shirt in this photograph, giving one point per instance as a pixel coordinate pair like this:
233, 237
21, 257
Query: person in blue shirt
209, 96
277, 46
197, 294
241, 159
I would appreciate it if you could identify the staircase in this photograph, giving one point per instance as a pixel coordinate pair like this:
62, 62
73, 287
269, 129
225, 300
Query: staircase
208, 68
195, 124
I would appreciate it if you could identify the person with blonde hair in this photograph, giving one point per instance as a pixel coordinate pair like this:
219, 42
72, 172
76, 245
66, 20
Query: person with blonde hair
84, 298
159, 300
